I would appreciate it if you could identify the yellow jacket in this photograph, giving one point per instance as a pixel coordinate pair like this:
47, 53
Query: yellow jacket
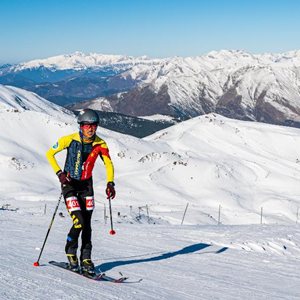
74, 165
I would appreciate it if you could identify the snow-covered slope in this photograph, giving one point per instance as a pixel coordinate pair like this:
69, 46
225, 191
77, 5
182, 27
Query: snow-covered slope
19, 100
207, 161
26, 124
162, 262
101, 104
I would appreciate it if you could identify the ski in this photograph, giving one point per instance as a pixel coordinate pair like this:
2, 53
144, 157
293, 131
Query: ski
96, 277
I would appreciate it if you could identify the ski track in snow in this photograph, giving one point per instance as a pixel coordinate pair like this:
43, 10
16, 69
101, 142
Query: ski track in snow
162, 261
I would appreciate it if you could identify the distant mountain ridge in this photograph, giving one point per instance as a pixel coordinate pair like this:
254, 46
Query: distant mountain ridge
65, 66
233, 83
65, 79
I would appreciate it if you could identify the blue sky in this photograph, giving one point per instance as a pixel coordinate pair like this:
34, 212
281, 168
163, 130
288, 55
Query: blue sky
31, 29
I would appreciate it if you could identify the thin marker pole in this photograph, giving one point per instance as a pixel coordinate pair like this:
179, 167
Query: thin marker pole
184, 213
148, 214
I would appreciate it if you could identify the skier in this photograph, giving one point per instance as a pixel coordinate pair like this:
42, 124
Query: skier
76, 180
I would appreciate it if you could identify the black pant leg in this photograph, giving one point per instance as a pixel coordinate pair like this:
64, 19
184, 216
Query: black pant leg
86, 236
74, 207
76, 229
87, 198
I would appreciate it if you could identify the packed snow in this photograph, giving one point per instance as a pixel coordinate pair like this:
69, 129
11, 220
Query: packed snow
231, 176
162, 262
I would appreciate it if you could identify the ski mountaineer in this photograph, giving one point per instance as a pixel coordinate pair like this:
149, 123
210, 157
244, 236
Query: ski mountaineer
76, 180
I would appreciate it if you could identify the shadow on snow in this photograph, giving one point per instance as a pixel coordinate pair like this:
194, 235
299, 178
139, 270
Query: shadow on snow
186, 250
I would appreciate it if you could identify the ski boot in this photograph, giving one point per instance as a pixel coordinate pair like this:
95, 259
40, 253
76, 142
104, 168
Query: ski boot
73, 262
88, 266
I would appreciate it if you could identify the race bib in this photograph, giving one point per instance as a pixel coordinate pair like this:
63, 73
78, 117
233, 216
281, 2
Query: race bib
72, 204
90, 203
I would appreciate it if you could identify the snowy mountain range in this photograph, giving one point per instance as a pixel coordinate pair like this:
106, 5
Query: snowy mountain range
65, 79
233, 83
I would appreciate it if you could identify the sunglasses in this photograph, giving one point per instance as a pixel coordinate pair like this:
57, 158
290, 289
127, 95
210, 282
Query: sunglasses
87, 126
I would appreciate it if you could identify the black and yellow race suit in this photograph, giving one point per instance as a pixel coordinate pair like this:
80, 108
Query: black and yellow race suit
79, 193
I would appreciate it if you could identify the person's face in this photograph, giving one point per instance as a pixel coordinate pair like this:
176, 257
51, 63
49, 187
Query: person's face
89, 130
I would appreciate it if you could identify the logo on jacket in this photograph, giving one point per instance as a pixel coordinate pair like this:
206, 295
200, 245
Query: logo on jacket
77, 162
55, 146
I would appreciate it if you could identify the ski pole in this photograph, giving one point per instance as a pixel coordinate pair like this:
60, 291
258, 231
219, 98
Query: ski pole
112, 232
36, 264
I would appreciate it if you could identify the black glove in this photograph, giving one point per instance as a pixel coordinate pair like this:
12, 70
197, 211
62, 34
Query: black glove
110, 190
63, 178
